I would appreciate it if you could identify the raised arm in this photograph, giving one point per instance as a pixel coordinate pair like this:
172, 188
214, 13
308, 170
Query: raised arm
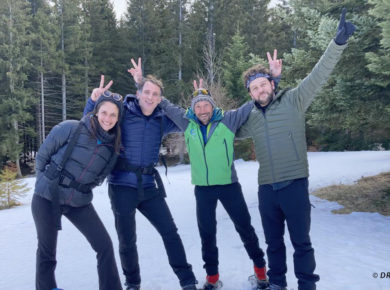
175, 113
312, 84
234, 119
244, 131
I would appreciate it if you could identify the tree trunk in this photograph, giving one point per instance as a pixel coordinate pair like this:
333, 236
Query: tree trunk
18, 170
42, 108
63, 87
12, 90
180, 40
86, 78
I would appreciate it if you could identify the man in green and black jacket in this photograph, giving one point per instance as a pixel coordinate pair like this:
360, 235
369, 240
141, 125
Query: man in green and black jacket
277, 127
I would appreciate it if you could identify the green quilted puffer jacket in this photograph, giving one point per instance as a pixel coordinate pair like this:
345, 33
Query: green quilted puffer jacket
279, 133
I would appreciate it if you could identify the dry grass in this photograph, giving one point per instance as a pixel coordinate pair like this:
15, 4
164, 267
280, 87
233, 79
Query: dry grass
369, 194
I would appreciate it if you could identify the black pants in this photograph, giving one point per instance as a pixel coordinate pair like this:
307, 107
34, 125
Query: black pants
88, 223
124, 202
233, 201
290, 204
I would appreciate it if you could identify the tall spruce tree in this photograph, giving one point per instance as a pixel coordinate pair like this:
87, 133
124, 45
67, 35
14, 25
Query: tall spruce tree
342, 117
67, 103
104, 39
235, 62
44, 58
15, 97
194, 40
379, 61
153, 28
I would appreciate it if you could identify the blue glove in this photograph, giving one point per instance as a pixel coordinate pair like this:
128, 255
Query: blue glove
344, 30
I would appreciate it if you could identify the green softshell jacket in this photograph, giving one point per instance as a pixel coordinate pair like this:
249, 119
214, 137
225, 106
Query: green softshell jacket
211, 164
279, 133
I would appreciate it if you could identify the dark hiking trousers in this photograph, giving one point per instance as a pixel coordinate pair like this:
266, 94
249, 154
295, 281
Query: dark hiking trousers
290, 204
233, 201
124, 202
89, 224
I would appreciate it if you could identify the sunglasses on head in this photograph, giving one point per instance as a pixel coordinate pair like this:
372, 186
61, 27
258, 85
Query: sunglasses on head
115, 96
201, 92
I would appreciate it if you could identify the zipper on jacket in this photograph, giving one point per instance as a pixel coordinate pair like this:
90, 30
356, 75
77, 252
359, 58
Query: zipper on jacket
91, 161
204, 154
146, 122
188, 145
227, 152
269, 147
293, 144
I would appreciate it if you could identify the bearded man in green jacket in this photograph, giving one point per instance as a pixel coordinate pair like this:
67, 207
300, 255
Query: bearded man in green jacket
277, 126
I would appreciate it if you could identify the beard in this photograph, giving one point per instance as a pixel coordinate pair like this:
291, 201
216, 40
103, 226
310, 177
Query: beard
204, 119
265, 101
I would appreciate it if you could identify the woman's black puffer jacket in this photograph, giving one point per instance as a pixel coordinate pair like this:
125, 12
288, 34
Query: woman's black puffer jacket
86, 163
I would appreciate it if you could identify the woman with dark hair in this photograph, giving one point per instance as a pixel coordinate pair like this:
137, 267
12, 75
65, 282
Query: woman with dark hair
75, 157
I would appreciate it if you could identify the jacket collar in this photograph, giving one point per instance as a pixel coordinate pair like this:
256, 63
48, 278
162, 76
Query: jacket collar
131, 103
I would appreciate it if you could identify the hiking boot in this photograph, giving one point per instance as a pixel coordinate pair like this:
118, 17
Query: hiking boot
212, 286
261, 281
258, 284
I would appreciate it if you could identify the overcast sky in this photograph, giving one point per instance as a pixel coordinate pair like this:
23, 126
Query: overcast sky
120, 7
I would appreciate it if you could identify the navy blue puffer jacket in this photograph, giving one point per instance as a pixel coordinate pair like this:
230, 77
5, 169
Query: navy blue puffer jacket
86, 163
141, 140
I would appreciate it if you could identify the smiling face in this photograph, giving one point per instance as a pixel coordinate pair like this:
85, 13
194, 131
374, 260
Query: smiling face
203, 111
262, 90
149, 97
107, 115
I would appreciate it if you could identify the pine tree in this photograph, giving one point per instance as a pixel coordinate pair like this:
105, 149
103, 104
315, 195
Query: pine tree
235, 62
379, 61
44, 57
194, 40
103, 38
350, 111
11, 189
68, 101
153, 31
15, 97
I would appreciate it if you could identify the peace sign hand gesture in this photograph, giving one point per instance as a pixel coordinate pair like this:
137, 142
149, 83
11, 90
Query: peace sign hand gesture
196, 87
97, 92
136, 71
275, 64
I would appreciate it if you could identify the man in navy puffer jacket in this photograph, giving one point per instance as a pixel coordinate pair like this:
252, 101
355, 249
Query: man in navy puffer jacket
132, 184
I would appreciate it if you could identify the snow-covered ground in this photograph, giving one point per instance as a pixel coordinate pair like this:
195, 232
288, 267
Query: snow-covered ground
349, 249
